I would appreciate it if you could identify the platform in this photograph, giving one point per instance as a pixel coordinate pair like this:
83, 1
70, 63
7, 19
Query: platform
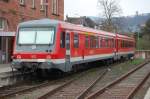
5, 68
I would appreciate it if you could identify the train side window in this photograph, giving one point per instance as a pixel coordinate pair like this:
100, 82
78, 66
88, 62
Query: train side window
106, 42
100, 44
93, 42
86, 41
97, 42
114, 43
62, 40
111, 42
122, 44
67, 41
76, 40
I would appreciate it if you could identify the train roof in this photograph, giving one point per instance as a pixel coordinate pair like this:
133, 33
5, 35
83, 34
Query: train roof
65, 25
125, 37
41, 22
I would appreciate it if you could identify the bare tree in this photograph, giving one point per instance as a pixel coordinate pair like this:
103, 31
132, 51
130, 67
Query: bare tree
110, 9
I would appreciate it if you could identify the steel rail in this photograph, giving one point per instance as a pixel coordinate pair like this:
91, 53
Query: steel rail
55, 90
37, 86
34, 87
24, 90
130, 96
50, 93
82, 95
95, 94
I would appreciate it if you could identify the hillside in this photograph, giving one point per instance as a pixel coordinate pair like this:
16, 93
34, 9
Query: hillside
129, 23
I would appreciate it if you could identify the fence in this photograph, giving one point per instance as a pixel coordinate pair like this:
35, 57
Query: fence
145, 54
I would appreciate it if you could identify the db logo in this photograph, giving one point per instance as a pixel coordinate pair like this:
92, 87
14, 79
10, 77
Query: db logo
33, 56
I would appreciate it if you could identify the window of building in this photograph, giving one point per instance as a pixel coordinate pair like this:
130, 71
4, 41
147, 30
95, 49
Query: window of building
55, 7
42, 5
46, 8
76, 40
62, 40
1, 24
33, 4
22, 2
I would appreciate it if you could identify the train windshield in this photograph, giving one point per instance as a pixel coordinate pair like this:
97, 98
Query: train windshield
36, 36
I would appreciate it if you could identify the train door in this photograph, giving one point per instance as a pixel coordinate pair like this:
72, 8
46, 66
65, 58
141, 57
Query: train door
67, 58
115, 49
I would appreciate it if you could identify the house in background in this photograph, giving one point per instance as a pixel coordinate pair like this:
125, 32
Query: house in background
13, 12
82, 21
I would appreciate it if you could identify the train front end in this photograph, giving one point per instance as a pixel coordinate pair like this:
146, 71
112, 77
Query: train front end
34, 46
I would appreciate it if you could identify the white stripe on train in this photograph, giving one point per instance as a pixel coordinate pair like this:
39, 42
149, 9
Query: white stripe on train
72, 59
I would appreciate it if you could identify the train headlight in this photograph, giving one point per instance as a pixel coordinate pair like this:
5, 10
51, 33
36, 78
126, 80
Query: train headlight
12, 57
18, 56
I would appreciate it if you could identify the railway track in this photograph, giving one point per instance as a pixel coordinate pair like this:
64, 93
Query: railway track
66, 88
72, 90
52, 85
85, 90
125, 86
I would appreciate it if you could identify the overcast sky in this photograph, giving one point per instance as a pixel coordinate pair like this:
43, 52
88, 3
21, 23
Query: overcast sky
89, 7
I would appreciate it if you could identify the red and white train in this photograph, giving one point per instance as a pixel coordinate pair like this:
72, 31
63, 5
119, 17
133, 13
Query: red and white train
52, 44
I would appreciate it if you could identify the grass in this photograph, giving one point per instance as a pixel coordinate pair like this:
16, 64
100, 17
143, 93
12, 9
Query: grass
126, 66
136, 61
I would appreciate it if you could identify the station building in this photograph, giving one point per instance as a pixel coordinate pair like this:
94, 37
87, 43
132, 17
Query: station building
13, 12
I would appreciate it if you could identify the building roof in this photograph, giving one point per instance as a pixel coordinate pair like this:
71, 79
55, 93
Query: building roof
84, 21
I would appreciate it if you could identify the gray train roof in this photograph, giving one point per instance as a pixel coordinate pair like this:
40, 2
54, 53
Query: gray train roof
41, 22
